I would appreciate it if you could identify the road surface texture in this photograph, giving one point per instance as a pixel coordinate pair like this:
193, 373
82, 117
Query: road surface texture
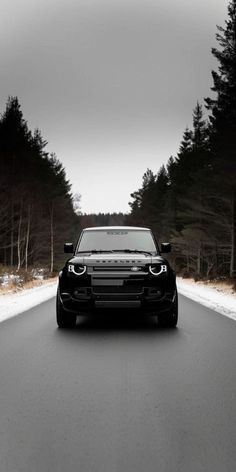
118, 395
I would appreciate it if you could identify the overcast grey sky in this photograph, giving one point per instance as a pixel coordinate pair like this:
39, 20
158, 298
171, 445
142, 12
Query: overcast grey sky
110, 83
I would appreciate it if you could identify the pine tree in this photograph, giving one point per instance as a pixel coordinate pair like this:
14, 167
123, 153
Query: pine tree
36, 207
199, 134
223, 120
188, 174
186, 144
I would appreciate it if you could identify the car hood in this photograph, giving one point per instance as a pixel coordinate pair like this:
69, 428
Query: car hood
118, 259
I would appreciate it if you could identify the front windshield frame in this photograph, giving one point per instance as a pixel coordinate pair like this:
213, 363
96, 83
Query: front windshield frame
153, 249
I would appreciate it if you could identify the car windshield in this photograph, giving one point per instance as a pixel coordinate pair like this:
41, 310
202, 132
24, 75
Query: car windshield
117, 240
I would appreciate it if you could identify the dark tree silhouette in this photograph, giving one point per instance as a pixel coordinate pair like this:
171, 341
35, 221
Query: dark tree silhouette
223, 120
200, 194
36, 202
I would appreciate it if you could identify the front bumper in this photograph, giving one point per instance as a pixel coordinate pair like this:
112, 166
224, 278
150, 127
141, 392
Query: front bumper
87, 300
117, 288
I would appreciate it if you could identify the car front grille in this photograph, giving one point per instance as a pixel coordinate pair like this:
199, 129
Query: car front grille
111, 268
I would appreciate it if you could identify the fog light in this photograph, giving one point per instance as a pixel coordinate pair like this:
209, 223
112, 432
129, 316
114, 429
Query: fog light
155, 291
80, 291
65, 296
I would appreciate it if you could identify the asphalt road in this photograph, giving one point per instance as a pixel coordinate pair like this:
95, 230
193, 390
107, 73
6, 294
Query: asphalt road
118, 395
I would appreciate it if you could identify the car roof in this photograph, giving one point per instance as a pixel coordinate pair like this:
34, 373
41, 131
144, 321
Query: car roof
115, 228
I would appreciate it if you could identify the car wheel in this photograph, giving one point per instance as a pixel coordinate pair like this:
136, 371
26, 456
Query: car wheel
170, 318
65, 319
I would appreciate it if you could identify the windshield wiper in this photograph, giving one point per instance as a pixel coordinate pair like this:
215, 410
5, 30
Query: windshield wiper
95, 251
101, 251
137, 251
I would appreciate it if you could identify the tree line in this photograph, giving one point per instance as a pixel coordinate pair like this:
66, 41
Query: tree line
36, 203
192, 200
102, 219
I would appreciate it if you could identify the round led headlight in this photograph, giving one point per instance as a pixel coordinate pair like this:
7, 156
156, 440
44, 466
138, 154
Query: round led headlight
157, 270
76, 269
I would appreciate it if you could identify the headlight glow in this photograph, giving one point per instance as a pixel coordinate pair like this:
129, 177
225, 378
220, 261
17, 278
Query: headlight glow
157, 270
77, 270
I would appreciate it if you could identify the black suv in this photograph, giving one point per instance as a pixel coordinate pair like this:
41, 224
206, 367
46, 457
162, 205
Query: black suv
117, 267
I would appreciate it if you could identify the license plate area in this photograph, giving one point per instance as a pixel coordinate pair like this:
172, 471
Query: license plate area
116, 286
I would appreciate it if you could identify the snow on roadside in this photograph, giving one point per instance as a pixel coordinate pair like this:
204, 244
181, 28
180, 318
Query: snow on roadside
210, 296
218, 299
15, 303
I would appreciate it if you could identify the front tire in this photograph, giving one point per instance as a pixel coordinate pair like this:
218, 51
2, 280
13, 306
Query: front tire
170, 318
65, 319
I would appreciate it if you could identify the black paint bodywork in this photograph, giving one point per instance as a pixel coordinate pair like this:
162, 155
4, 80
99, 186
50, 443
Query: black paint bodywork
117, 280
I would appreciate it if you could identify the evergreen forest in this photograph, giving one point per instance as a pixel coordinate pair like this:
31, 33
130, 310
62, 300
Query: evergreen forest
36, 204
191, 201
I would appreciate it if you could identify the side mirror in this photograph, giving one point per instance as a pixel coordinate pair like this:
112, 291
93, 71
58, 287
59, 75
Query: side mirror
68, 248
165, 247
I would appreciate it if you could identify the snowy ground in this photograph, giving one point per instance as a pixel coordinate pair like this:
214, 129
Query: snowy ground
16, 303
219, 299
